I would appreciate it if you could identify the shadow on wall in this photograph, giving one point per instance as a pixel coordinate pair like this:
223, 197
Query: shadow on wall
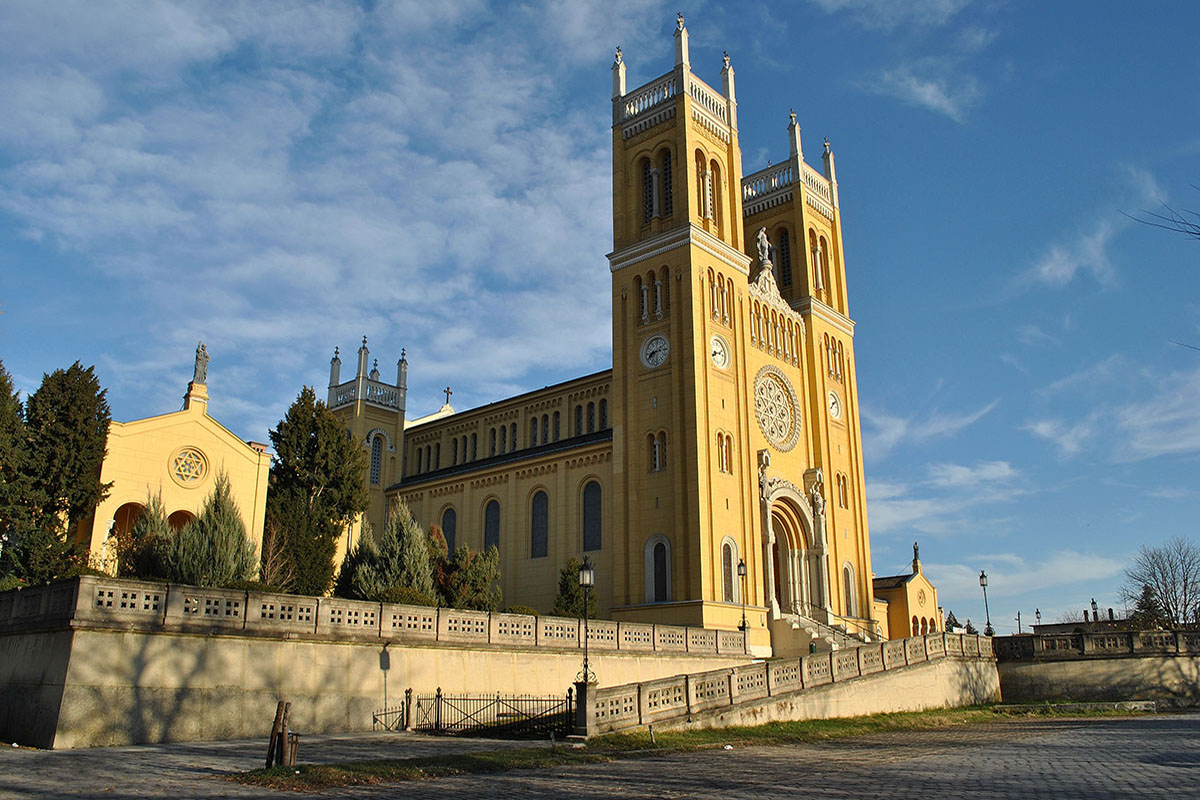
1173, 680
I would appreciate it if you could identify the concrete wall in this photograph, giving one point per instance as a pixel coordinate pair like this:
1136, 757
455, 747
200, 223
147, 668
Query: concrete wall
948, 683
126, 687
1174, 680
100, 661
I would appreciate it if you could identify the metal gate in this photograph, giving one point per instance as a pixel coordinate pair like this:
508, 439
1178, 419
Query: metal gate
513, 717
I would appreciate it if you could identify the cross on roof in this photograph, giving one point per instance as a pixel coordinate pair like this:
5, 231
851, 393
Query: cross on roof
448, 393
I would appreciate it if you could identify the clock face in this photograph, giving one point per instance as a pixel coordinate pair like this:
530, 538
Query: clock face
835, 405
655, 351
720, 352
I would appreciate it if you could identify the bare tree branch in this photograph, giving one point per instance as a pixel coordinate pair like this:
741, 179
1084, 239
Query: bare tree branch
1172, 572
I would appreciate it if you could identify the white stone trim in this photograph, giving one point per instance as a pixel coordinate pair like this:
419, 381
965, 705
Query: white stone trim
824, 312
675, 238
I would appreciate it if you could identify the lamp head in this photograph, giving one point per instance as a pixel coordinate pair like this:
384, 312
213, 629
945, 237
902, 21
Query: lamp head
587, 575
741, 567
983, 579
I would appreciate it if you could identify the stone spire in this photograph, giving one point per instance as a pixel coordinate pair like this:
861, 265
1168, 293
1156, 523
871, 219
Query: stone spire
681, 43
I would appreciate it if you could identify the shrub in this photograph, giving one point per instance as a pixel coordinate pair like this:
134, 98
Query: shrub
211, 550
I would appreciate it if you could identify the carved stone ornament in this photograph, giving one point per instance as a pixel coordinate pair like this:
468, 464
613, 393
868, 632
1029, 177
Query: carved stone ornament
777, 408
188, 466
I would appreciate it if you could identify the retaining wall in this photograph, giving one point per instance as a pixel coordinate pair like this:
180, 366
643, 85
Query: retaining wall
97, 661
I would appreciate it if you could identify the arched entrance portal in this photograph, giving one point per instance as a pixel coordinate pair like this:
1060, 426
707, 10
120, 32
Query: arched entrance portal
180, 518
795, 561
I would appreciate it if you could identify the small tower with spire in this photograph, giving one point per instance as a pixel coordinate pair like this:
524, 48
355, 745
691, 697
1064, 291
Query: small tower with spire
373, 412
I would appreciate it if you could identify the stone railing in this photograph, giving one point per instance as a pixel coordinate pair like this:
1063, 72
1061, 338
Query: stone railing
634, 704
1104, 644
99, 602
712, 102
817, 183
766, 188
375, 392
652, 94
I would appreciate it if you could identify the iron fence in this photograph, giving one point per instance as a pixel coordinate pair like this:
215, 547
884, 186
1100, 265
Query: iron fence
388, 719
512, 717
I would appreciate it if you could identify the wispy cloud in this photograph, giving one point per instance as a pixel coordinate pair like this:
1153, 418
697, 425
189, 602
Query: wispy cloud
886, 431
1088, 253
1032, 334
946, 501
935, 85
1069, 438
886, 15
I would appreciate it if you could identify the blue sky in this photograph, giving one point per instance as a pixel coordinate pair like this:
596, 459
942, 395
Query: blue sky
279, 178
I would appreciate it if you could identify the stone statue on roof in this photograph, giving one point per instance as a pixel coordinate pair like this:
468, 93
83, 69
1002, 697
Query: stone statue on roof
200, 371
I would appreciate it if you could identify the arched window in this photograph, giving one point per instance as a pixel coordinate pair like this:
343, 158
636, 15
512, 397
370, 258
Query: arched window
503, 439
703, 196
545, 428
784, 250
916, 625
824, 262
647, 193
428, 457
578, 420
376, 458
557, 426
513, 436
815, 282
730, 589
449, 528
437, 455
454, 452
714, 183
849, 590
539, 526
657, 445
474, 446
603, 415
492, 442
592, 513
591, 417
924, 626
668, 193
666, 288
843, 491
533, 431
658, 569
491, 524
712, 290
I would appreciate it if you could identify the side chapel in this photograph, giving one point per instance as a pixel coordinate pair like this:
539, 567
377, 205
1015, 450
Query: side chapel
714, 475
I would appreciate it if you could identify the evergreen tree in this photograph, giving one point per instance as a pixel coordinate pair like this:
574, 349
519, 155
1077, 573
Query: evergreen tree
396, 569
1148, 612
136, 547
66, 420
211, 550
569, 602
951, 621
316, 489
470, 580
14, 482
971, 629
34, 554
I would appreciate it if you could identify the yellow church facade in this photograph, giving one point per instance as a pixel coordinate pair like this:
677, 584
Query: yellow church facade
179, 456
713, 476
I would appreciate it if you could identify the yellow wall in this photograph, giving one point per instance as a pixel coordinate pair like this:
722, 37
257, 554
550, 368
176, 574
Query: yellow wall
916, 597
179, 455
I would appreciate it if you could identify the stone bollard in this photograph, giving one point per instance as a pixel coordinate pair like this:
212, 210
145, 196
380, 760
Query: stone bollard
585, 708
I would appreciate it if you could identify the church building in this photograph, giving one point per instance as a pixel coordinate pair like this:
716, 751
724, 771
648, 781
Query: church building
713, 475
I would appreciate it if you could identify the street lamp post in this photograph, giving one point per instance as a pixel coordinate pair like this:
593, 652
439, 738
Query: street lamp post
988, 630
1037, 613
742, 574
1095, 611
587, 579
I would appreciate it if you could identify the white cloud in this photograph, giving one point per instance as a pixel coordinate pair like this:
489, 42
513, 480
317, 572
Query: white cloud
1015, 576
1032, 334
885, 432
1163, 425
887, 15
1088, 253
1070, 439
938, 86
959, 475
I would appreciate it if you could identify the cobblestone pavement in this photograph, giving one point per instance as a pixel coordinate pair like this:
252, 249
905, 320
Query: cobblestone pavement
1144, 757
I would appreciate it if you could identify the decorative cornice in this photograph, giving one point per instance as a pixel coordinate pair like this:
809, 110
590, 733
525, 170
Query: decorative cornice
682, 236
818, 308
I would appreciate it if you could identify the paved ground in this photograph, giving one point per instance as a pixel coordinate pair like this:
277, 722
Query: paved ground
1144, 757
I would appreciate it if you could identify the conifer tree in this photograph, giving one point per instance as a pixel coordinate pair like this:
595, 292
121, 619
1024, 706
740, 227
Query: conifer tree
569, 602
471, 580
14, 488
316, 489
136, 547
66, 421
211, 550
396, 569
951, 621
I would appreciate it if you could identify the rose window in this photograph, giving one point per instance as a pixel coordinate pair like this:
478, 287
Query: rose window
188, 466
775, 408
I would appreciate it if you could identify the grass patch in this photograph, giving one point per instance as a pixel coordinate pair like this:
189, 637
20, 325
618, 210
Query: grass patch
313, 777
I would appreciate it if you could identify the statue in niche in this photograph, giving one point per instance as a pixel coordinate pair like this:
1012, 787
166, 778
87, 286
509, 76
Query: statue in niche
817, 496
200, 371
764, 246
